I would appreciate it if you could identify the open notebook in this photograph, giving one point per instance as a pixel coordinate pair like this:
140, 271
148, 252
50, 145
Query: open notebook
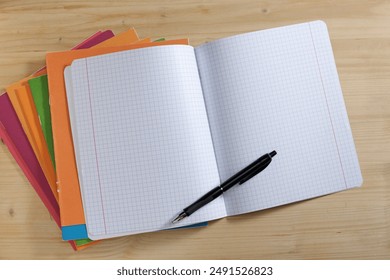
156, 128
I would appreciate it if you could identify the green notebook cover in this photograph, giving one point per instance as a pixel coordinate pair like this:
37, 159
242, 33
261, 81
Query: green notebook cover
40, 93
81, 242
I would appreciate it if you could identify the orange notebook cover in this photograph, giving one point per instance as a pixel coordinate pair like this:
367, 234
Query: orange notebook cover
72, 212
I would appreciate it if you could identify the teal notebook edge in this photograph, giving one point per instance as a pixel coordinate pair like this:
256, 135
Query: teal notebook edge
74, 232
79, 232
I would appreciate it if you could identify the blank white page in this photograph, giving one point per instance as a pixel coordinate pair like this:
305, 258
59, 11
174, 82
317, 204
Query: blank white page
143, 140
278, 89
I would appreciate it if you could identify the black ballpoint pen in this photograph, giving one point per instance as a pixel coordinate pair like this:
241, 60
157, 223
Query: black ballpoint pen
239, 178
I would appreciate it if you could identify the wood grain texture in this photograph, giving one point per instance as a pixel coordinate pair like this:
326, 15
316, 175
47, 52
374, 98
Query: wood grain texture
347, 225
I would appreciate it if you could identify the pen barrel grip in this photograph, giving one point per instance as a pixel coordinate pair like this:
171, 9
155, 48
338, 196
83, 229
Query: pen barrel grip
208, 197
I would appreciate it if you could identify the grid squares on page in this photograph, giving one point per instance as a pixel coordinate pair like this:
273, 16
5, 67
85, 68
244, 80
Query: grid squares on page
145, 146
264, 91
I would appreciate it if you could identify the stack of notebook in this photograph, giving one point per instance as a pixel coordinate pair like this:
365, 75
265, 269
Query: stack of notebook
119, 134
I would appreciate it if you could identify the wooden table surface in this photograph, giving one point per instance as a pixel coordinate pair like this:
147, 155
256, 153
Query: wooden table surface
349, 225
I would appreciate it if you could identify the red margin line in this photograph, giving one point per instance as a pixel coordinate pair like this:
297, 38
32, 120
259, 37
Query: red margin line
94, 144
327, 105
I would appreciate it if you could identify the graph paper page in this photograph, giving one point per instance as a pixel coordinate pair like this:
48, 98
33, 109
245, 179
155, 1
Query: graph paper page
143, 141
278, 89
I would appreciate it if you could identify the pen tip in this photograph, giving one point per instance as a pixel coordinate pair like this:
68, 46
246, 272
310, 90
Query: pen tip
180, 217
272, 154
